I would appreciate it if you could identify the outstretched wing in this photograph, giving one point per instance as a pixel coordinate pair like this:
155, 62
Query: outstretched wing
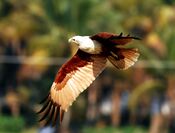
72, 79
113, 39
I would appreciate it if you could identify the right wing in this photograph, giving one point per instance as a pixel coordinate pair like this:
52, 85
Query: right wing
114, 39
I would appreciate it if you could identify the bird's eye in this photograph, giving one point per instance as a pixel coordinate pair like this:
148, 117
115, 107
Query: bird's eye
73, 39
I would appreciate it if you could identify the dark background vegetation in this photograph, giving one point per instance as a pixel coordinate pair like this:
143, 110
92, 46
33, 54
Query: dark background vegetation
33, 45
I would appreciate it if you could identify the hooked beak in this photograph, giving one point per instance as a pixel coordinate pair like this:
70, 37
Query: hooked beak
70, 40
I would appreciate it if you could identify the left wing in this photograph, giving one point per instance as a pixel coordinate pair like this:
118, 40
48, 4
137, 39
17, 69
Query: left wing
72, 79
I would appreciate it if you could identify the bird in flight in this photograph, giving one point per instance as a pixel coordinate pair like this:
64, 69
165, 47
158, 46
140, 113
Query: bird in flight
82, 69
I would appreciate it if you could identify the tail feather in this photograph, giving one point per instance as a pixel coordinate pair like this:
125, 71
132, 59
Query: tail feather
123, 58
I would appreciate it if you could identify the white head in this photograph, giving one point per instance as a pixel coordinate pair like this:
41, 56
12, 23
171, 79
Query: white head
86, 44
80, 40
83, 42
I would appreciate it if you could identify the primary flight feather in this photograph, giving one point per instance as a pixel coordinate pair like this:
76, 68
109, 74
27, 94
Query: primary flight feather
82, 69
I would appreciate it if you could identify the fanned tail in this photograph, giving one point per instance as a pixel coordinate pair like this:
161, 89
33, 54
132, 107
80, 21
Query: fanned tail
123, 58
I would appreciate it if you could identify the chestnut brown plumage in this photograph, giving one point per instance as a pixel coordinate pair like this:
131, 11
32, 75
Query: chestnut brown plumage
83, 68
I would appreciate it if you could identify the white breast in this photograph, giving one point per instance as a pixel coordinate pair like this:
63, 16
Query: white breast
88, 45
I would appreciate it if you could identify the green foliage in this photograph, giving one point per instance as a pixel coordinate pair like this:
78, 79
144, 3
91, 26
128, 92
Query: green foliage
11, 124
5, 8
170, 39
46, 26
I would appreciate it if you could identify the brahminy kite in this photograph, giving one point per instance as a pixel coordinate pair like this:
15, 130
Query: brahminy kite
83, 68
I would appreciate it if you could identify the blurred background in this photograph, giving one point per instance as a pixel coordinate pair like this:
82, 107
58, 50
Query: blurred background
33, 45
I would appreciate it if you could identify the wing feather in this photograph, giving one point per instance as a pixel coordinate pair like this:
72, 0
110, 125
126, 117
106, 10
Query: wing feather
72, 79
112, 39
